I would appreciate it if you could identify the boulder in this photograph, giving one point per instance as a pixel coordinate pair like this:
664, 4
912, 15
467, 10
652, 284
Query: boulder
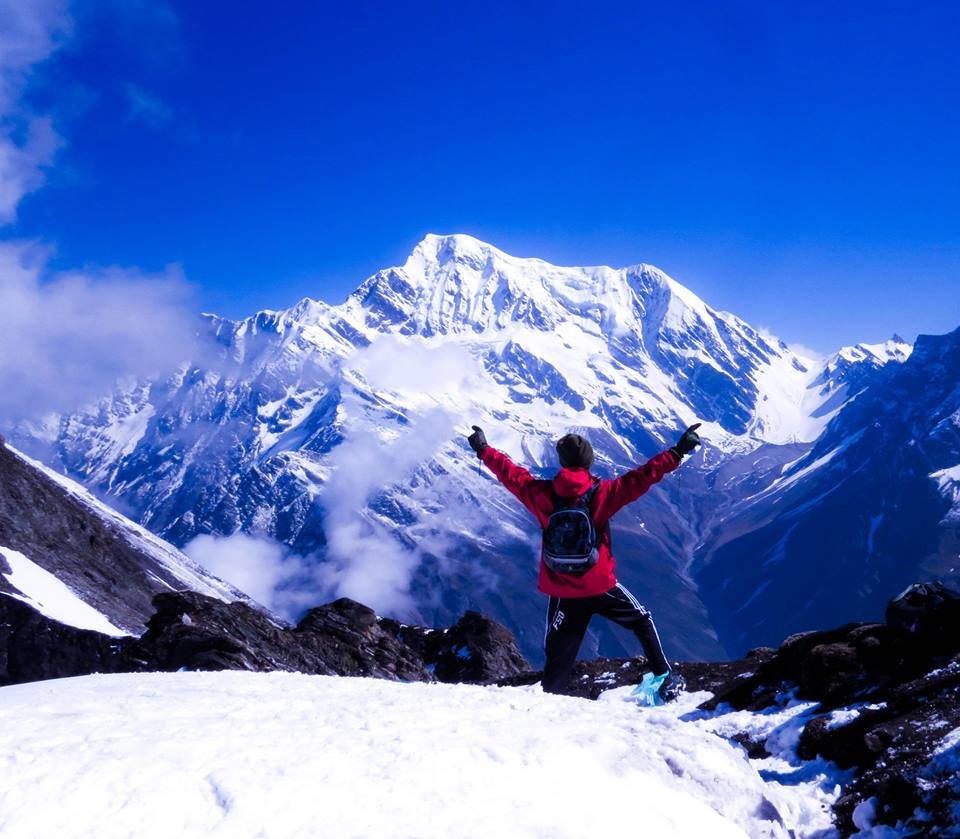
928, 614
476, 650
351, 641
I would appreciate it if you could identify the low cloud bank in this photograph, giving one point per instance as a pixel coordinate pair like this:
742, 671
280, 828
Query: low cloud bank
364, 559
385, 441
67, 337
263, 568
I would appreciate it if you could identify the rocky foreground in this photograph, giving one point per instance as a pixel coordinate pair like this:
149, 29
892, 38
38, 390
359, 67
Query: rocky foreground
887, 692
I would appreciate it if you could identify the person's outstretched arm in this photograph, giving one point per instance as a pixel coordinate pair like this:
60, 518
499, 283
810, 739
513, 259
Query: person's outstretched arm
515, 478
631, 485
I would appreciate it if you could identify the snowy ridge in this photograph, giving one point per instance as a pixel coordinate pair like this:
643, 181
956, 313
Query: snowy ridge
948, 482
178, 564
457, 284
895, 349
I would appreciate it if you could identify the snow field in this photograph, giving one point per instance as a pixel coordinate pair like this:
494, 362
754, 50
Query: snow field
287, 755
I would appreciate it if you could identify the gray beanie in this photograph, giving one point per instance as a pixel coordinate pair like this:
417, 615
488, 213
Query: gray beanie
575, 452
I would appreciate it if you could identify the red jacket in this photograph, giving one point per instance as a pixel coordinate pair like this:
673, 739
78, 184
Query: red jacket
610, 496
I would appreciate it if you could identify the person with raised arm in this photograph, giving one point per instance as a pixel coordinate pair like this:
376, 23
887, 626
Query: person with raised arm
577, 568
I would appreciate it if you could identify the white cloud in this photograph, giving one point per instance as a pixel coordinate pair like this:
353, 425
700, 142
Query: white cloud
23, 164
263, 568
29, 33
413, 365
65, 338
146, 107
796, 348
364, 560
806, 352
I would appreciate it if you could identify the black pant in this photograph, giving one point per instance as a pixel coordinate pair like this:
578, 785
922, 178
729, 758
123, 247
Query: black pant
567, 620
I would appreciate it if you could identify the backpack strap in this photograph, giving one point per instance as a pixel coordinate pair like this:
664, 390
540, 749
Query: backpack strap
581, 500
587, 497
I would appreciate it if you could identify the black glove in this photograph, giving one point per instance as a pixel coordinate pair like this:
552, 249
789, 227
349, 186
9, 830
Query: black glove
477, 440
688, 442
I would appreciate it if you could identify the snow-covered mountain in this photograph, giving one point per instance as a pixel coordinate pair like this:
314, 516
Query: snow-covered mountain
871, 507
76, 561
338, 430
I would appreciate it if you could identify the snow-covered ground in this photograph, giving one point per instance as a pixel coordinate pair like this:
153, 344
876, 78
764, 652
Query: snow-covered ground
287, 755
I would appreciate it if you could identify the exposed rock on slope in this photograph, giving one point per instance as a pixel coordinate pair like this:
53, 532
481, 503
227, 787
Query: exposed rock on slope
35, 647
62, 536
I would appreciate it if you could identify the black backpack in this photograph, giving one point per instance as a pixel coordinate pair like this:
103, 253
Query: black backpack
571, 543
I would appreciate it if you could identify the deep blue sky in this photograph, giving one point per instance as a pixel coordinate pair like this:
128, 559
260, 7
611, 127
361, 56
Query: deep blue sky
793, 163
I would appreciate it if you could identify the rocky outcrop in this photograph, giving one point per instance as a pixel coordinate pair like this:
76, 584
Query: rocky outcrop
342, 638
476, 649
195, 632
34, 647
898, 686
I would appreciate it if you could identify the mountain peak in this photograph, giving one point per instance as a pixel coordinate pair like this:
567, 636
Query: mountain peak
895, 349
452, 248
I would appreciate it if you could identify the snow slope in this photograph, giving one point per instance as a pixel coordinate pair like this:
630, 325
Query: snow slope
286, 755
184, 570
78, 561
49, 596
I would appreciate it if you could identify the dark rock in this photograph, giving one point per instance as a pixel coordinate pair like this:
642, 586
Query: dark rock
476, 649
347, 636
591, 678
755, 747
34, 647
831, 669
903, 677
341, 638
929, 613
194, 632
892, 745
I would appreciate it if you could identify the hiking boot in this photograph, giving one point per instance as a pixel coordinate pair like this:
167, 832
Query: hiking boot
672, 687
